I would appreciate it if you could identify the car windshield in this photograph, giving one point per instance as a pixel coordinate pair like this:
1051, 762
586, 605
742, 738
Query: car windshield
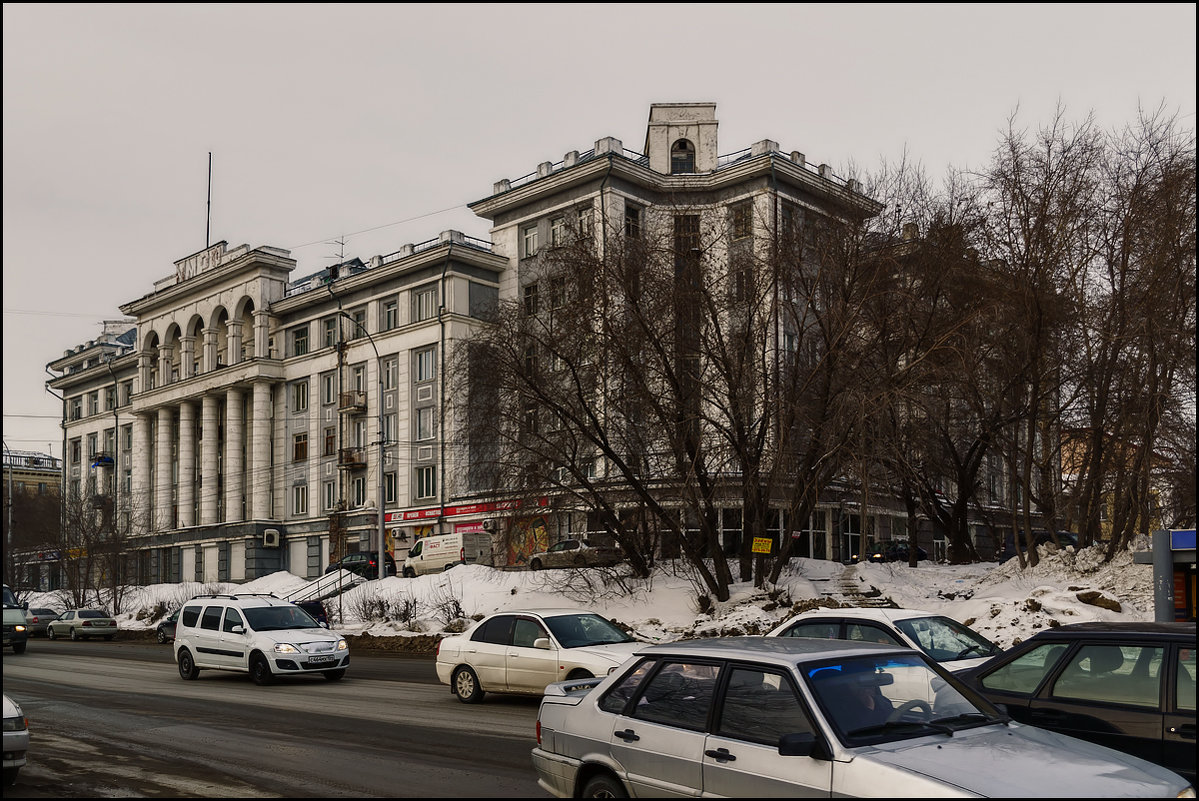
945, 639
579, 631
92, 613
874, 699
277, 618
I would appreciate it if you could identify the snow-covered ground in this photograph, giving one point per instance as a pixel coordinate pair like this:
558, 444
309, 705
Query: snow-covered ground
1001, 602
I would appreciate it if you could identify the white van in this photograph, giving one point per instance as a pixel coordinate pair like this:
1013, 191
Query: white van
433, 554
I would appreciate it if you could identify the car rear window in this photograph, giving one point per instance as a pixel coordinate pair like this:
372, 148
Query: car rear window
92, 613
190, 615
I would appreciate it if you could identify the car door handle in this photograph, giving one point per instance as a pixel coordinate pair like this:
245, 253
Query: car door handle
1186, 731
626, 735
720, 755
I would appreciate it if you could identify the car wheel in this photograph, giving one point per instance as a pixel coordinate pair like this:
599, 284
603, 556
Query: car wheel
74, 634
10, 776
162, 637
604, 786
19, 647
466, 686
50, 635
260, 670
409, 573
577, 674
187, 665
535, 564
334, 675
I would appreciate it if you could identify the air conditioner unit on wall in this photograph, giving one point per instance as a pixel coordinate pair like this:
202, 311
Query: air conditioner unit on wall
270, 538
489, 524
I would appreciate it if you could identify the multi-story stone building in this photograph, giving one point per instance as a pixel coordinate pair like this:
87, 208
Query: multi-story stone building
245, 422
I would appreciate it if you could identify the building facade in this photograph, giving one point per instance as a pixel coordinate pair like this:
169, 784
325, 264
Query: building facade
241, 421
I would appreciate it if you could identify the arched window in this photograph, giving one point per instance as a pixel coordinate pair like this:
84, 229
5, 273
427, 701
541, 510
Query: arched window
682, 157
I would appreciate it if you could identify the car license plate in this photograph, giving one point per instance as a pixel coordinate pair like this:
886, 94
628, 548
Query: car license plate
320, 660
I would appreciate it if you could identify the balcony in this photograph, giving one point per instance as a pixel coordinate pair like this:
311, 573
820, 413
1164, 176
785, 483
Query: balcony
354, 401
351, 458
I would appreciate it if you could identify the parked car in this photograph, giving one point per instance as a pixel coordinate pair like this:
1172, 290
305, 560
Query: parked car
587, 552
38, 620
83, 624
1129, 686
165, 630
892, 551
363, 563
16, 740
767, 716
262, 635
954, 645
316, 609
523, 651
16, 631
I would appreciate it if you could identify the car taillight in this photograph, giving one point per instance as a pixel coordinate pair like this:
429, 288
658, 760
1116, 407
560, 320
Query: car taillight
87, 623
461, 554
539, 731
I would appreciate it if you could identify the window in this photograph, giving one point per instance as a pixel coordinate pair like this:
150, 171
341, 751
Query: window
557, 232
389, 428
632, 221
1184, 682
531, 299
1113, 674
864, 632
299, 396
330, 441
330, 495
389, 373
127, 392
760, 707
741, 220
330, 326
359, 317
679, 695
299, 500
557, 292
529, 237
76, 451
127, 437
299, 448
682, 157
1024, 673
583, 221
425, 365
212, 618
424, 303
299, 341
389, 487
426, 482
359, 378
93, 402
391, 315
110, 398
424, 423
328, 388
232, 618
76, 408
91, 447
359, 491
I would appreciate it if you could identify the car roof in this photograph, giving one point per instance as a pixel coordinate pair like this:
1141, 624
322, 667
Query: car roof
1118, 629
865, 612
777, 649
549, 612
245, 599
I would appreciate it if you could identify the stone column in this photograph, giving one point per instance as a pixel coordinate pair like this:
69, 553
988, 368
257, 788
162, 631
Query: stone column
234, 427
233, 342
166, 355
208, 460
145, 369
262, 334
162, 470
141, 501
187, 464
187, 357
261, 472
208, 363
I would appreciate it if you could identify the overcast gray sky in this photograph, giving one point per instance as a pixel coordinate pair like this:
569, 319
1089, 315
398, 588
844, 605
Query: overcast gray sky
379, 123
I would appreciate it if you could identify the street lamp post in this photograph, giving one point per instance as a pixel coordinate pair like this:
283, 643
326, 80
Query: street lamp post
382, 444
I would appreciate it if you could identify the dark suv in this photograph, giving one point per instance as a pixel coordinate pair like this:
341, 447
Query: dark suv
1129, 686
364, 563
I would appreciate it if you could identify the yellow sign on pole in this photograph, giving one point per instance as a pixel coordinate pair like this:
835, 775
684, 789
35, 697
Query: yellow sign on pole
762, 544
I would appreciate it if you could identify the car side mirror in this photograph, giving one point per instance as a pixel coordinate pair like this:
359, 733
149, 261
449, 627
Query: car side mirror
542, 642
238, 630
802, 743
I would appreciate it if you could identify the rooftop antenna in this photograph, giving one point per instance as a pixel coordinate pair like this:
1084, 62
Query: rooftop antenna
208, 221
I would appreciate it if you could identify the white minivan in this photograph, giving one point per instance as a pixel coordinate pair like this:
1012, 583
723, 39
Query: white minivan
434, 554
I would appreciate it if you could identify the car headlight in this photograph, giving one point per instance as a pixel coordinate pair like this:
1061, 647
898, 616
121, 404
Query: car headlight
16, 724
342, 645
18, 627
286, 648
1187, 793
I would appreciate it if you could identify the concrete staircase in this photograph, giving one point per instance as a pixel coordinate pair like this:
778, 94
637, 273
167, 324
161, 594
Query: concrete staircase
856, 592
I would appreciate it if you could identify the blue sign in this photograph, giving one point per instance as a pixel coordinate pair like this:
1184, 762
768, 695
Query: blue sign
1182, 539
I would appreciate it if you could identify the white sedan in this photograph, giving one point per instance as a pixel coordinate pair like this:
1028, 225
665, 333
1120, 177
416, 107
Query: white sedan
952, 644
522, 651
16, 740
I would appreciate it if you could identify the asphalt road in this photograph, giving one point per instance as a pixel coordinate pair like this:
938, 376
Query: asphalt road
115, 720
